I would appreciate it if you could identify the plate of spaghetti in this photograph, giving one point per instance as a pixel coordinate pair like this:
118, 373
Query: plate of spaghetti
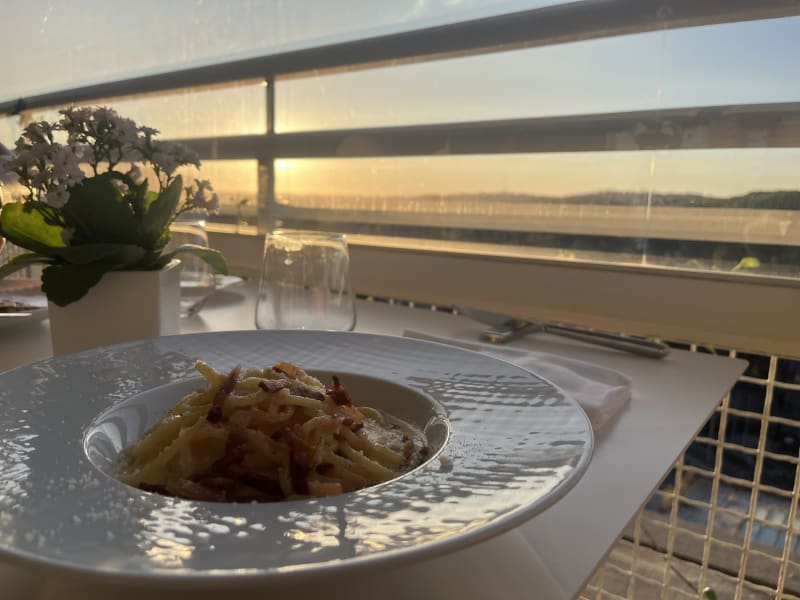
267, 435
272, 455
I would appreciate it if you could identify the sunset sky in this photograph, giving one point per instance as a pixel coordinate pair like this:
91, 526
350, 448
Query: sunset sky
751, 62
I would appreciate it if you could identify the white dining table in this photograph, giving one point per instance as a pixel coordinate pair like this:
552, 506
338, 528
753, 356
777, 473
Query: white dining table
550, 557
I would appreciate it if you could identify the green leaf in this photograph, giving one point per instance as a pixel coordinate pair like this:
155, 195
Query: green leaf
160, 213
214, 258
139, 199
709, 594
64, 284
149, 198
26, 227
110, 254
99, 213
151, 261
748, 262
21, 261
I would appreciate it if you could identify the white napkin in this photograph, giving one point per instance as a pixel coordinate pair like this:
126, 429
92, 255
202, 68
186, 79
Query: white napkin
601, 392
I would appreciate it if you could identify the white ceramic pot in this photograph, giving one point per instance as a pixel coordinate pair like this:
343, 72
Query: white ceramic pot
123, 306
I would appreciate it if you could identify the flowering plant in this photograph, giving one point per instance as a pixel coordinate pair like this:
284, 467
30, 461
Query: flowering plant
83, 223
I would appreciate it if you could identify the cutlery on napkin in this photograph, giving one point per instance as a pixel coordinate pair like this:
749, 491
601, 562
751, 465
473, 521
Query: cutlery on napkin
600, 391
504, 329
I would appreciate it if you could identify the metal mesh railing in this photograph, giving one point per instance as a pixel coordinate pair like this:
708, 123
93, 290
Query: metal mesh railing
726, 516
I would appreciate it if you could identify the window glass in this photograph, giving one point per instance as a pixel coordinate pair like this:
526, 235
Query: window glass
58, 45
727, 210
229, 110
10, 130
733, 207
739, 63
236, 184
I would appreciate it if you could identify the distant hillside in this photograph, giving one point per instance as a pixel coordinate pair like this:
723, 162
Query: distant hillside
777, 200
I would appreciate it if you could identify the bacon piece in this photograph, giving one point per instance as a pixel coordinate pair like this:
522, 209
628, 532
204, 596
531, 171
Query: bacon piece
235, 449
272, 385
299, 466
339, 394
227, 386
215, 412
288, 369
306, 391
299, 470
408, 448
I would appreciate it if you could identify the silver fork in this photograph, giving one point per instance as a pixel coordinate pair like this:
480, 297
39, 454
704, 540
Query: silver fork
504, 329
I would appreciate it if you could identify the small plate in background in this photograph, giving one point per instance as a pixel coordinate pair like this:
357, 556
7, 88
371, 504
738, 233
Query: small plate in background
21, 301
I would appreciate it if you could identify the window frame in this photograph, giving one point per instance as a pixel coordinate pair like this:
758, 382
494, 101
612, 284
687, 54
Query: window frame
731, 310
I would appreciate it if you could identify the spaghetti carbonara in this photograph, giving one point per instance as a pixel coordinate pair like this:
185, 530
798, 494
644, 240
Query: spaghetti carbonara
263, 435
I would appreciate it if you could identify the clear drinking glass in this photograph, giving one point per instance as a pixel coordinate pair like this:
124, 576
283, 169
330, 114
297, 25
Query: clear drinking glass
198, 280
305, 282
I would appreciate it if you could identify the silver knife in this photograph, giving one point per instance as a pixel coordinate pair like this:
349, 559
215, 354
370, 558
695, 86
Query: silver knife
504, 329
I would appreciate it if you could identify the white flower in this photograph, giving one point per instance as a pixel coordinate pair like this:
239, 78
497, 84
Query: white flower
197, 196
213, 204
76, 118
123, 131
148, 132
164, 161
39, 178
103, 113
66, 235
65, 165
121, 186
83, 153
30, 154
169, 156
57, 197
186, 156
105, 143
136, 174
39, 131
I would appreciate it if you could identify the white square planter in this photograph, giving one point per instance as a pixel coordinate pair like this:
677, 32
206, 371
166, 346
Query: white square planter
123, 306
